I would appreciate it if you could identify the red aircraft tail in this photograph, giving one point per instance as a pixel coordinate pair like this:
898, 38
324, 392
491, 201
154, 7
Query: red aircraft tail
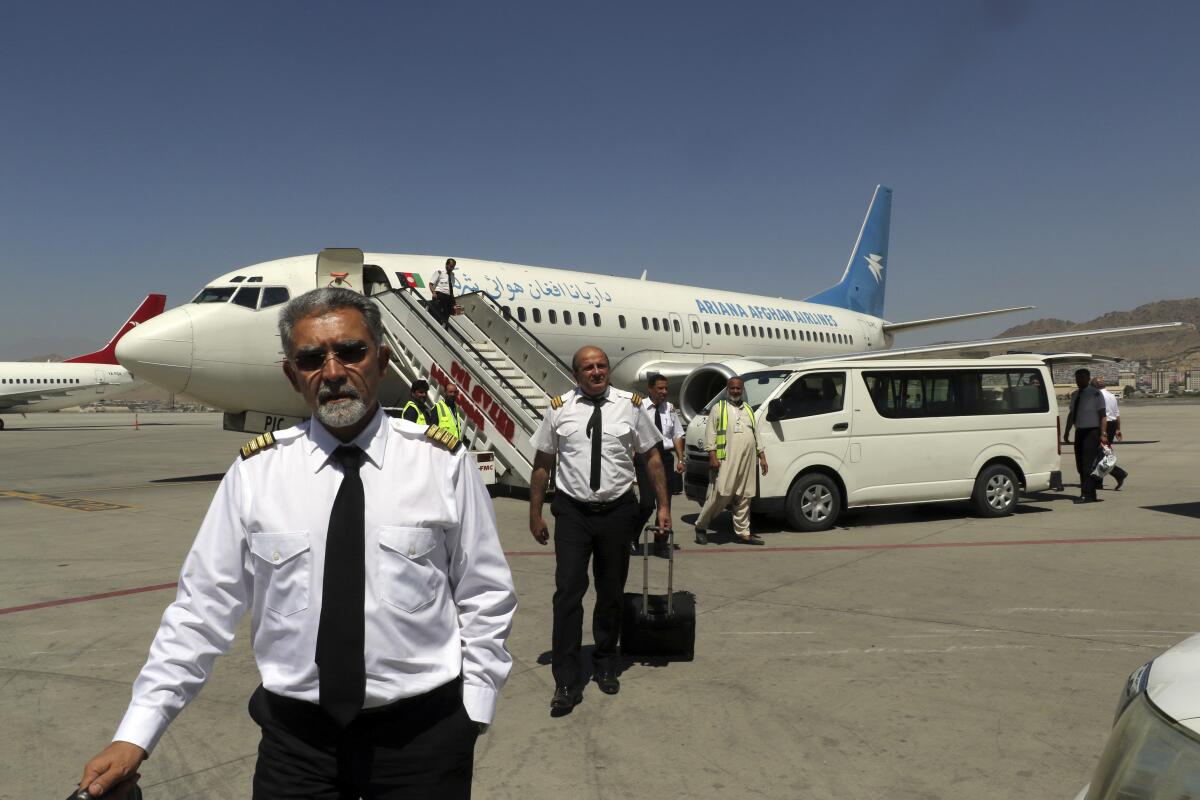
152, 306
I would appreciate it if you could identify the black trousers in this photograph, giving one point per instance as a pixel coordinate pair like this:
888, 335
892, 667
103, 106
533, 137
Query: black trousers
421, 747
647, 500
603, 538
1117, 471
442, 307
1087, 450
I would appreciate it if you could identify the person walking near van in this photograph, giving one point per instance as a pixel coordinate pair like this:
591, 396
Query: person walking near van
731, 439
1112, 414
1089, 418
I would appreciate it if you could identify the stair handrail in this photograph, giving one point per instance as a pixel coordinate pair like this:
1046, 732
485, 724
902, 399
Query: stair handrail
520, 326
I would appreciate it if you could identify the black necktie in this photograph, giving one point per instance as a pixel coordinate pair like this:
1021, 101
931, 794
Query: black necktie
340, 634
658, 419
595, 432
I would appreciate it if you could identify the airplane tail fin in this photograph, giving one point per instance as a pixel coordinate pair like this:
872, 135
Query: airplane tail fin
862, 285
152, 306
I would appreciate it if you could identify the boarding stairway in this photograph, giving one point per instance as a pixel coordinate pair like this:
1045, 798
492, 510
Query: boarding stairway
505, 375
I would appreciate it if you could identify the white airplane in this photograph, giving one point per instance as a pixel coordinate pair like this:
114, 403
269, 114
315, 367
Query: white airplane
223, 348
31, 386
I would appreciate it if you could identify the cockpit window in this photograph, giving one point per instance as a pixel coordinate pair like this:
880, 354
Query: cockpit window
214, 294
247, 296
274, 295
255, 279
237, 279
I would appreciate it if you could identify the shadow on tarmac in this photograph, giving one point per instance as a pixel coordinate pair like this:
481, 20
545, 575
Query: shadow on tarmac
1182, 509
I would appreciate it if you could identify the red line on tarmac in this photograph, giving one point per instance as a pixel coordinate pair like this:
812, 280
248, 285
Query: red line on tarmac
706, 551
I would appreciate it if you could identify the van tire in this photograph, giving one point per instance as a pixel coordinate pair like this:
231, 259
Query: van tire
996, 491
814, 503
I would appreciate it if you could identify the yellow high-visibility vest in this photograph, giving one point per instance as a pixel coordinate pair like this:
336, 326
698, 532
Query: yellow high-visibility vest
420, 414
721, 413
450, 420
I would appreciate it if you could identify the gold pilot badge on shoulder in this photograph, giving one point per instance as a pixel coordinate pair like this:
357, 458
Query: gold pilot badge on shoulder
258, 444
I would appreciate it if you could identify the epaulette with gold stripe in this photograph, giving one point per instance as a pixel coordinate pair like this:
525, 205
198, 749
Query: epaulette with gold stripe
556, 401
637, 399
443, 437
258, 444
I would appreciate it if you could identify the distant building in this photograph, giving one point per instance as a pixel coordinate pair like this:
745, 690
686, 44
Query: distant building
1126, 379
1160, 381
1193, 380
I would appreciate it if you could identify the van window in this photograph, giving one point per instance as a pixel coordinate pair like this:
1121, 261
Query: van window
950, 393
812, 394
759, 386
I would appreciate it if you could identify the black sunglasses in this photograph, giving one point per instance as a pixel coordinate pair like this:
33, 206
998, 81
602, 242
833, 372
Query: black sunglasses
313, 359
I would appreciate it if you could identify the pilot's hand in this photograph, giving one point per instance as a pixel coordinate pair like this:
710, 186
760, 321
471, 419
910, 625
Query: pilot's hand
110, 766
681, 468
714, 463
537, 527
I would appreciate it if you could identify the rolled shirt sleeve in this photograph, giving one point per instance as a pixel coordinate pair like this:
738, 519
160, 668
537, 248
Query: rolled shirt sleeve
215, 586
483, 591
645, 436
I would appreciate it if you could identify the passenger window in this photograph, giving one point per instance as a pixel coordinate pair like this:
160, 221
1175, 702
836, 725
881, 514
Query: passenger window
761, 333
726, 328
566, 318
247, 296
666, 325
706, 327
695, 326
656, 323
552, 316
520, 313
621, 320
214, 294
537, 315
582, 319
645, 324
675, 325
506, 312
274, 296
596, 319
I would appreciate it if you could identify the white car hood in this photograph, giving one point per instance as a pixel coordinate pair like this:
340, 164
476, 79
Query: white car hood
1174, 682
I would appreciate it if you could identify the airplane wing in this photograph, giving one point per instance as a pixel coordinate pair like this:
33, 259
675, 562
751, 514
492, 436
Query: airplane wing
11, 399
989, 347
891, 328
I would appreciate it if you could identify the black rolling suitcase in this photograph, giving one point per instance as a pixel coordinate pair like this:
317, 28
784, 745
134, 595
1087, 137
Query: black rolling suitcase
659, 625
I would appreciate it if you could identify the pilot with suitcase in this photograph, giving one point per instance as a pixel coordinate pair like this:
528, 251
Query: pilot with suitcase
592, 431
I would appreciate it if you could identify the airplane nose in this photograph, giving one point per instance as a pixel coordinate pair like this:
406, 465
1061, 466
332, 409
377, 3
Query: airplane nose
160, 350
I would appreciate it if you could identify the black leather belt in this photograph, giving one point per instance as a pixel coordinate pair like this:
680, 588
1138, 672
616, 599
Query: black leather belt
595, 507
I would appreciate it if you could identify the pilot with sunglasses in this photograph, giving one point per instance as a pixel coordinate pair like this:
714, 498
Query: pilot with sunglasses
365, 550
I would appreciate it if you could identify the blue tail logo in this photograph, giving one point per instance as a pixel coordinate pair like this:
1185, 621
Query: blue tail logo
862, 285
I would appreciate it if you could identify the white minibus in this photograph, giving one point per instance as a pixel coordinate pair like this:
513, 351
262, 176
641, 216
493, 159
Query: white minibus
843, 434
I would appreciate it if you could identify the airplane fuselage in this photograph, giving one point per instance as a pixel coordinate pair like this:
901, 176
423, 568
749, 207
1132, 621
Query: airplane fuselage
31, 386
224, 350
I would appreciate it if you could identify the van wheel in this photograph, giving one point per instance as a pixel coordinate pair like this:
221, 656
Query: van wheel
995, 492
813, 503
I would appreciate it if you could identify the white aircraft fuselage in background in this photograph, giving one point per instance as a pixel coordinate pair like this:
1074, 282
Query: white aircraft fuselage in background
28, 387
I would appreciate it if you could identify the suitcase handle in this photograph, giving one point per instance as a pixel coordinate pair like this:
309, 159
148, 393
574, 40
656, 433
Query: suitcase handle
670, 566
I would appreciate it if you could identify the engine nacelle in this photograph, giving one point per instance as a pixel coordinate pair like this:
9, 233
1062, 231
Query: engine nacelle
708, 380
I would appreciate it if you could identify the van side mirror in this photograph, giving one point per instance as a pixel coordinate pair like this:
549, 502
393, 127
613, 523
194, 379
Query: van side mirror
775, 409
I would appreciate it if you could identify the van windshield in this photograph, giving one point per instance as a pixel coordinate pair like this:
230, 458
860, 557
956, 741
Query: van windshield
759, 386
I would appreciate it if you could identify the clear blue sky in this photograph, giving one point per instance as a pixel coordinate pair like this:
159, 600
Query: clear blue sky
1040, 153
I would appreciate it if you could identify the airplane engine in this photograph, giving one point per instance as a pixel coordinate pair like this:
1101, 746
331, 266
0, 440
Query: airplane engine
706, 382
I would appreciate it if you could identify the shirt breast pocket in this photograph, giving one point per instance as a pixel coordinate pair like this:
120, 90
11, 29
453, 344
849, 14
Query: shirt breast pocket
282, 570
408, 578
618, 436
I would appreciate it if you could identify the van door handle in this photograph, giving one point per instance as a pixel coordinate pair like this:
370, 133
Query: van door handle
841, 426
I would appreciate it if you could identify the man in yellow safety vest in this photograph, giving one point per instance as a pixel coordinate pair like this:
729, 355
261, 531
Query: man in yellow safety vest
731, 439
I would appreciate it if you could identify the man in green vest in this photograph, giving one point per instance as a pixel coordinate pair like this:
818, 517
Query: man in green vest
731, 438
417, 408
448, 414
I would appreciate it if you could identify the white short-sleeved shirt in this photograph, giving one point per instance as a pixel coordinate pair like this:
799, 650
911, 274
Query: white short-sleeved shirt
626, 428
672, 428
1111, 409
440, 282
439, 596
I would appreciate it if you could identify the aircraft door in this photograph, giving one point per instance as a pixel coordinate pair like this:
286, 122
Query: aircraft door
697, 338
676, 330
101, 381
342, 267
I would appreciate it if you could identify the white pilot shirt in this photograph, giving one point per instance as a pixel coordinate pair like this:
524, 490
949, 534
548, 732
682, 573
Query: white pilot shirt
439, 596
672, 428
1111, 409
440, 282
564, 431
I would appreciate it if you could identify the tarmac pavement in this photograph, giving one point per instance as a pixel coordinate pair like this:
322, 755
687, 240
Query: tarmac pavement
914, 652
